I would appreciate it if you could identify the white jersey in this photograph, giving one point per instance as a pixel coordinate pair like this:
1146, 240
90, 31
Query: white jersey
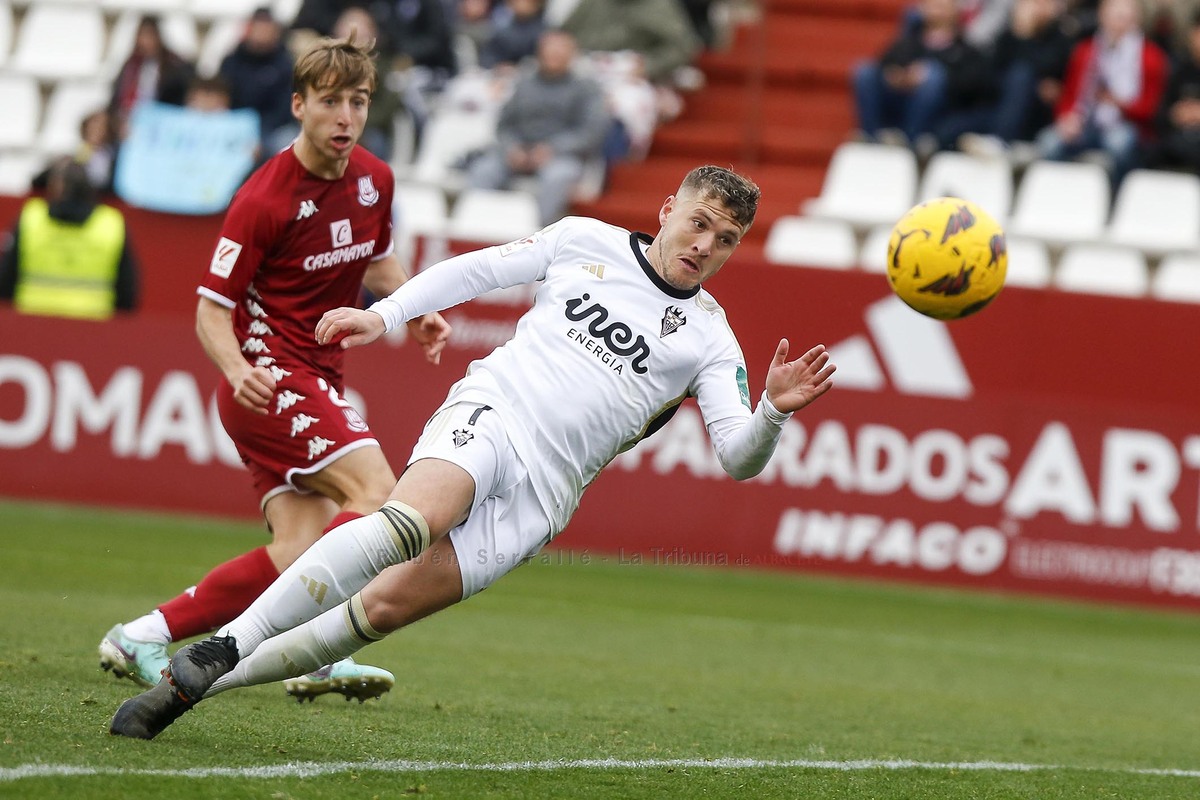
607, 352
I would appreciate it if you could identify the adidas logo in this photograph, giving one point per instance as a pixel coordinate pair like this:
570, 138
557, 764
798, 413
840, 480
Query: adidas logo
307, 209
916, 352
595, 269
315, 588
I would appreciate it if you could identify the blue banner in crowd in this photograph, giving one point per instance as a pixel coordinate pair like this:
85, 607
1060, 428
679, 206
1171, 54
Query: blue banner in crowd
184, 161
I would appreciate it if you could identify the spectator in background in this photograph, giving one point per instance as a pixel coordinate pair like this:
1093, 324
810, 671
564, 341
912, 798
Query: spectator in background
473, 21
516, 26
928, 71
98, 149
68, 255
1169, 23
1178, 119
259, 75
658, 31
983, 20
379, 132
1030, 59
152, 72
316, 18
208, 94
419, 36
552, 125
1112, 90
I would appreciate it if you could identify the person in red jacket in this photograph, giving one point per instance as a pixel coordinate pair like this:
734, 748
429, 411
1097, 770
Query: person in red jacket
1113, 85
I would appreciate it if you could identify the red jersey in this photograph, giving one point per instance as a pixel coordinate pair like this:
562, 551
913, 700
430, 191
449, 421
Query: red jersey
294, 246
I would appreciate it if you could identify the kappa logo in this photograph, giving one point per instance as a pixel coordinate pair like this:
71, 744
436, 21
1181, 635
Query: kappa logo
368, 195
916, 353
307, 209
224, 257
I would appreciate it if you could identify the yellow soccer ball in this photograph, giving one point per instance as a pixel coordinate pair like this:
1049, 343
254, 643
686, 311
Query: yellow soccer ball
947, 258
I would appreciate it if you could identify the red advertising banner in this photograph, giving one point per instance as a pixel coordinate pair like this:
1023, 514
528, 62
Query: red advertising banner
1048, 444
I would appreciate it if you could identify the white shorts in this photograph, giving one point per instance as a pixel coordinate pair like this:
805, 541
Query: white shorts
507, 525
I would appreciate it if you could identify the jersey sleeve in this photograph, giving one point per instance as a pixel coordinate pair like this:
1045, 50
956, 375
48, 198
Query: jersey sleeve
387, 194
247, 234
463, 277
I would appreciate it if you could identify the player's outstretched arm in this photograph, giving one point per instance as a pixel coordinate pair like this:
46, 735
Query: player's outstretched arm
349, 327
432, 332
791, 385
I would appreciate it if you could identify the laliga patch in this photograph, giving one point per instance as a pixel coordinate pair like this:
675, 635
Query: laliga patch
519, 245
743, 385
224, 257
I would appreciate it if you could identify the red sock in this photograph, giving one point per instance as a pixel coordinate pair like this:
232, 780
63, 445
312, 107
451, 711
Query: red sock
226, 591
342, 517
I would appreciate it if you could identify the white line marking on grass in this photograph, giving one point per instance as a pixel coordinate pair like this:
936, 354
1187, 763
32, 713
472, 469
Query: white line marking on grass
312, 769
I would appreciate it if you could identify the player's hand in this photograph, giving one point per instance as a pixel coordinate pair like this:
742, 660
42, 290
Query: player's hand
349, 327
791, 385
253, 388
431, 332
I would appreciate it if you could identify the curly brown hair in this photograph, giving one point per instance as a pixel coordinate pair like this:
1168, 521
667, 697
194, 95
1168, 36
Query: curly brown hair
737, 193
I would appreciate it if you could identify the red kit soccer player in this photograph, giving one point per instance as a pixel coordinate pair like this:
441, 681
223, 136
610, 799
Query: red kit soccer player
305, 232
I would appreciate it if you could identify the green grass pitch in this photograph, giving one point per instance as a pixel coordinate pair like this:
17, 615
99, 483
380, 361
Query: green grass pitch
606, 680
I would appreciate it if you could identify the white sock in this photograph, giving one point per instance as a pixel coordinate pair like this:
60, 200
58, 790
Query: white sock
338, 565
330, 637
150, 627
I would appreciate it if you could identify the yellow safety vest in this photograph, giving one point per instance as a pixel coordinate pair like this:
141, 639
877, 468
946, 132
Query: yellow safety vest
65, 269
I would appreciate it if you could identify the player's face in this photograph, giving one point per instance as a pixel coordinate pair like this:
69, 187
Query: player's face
332, 120
698, 236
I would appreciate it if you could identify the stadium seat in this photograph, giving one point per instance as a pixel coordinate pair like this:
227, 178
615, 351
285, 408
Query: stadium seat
21, 100
449, 136
142, 6
227, 9
1103, 269
1061, 202
1156, 212
492, 216
57, 42
866, 184
223, 35
873, 255
286, 10
988, 182
17, 169
421, 210
6, 31
69, 103
1028, 263
1177, 278
809, 242
178, 30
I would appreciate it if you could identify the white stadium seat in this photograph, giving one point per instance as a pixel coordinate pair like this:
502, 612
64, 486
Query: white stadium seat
56, 42
1157, 212
1029, 263
227, 9
420, 210
866, 184
21, 100
223, 35
874, 253
1177, 278
286, 10
450, 135
17, 170
143, 6
809, 242
69, 103
492, 216
1061, 202
6, 31
987, 182
1103, 269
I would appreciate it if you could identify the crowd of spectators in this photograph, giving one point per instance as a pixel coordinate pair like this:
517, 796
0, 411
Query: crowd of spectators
1117, 81
484, 53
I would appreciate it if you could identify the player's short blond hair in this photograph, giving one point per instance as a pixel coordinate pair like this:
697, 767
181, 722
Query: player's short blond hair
737, 193
335, 64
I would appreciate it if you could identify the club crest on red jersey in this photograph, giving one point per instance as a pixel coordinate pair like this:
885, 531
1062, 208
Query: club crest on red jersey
368, 195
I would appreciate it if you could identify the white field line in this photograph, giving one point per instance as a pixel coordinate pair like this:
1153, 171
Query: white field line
312, 769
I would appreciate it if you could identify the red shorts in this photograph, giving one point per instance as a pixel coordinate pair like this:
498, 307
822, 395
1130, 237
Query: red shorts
307, 427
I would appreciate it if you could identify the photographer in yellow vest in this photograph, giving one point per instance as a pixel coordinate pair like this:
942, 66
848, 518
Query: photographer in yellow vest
69, 255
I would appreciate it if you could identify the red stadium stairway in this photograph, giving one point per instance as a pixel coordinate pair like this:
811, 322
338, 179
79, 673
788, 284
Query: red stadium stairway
776, 104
